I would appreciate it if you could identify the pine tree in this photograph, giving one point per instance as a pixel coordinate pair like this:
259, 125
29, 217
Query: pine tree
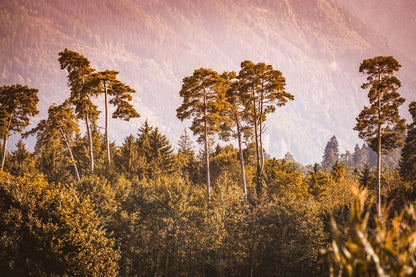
21, 161
236, 127
204, 100
380, 124
55, 133
408, 159
263, 89
17, 104
331, 153
83, 88
121, 95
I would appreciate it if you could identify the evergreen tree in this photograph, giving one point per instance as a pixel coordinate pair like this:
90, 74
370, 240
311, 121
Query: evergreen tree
21, 161
204, 100
408, 160
236, 128
17, 104
83, 88
54, 136
186, 158
263, 89
121, 95
128, 159
331, 153
380, 124
360, 156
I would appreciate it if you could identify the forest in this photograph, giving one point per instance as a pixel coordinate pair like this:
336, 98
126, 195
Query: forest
80, 205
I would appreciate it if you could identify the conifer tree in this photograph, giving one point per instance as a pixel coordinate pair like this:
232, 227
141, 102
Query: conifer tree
380, 124
83, 88
57, 131
331, 153
186, 158
121, 95
17, 104
408, 159
204, 101
263, 89
235, 128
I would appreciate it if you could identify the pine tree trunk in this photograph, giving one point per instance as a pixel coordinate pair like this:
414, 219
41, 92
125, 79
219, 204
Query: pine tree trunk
240, 150
3, 157
261, 129
90, 144
6, 138
379, 159
68, 147
206, 149
256, 140
107, 141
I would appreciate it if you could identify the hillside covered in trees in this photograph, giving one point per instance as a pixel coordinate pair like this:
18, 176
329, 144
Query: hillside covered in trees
153, 44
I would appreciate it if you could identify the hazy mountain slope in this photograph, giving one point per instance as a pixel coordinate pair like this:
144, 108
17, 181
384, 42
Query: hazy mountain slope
393, 20
154, 44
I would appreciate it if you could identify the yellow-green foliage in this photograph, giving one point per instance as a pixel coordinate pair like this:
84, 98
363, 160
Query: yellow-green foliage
49, 230
388, 249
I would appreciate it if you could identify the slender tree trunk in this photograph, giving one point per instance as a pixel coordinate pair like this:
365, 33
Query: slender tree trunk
379, 159
3, 157
68, 146
107, 140
90, 143
261, 128
240, 151
206, 149
6, 138
256, 140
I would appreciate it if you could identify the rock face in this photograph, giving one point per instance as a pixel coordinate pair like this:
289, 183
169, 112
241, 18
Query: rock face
318, 45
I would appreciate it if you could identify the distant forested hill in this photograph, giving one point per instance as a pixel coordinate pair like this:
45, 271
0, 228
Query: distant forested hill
318, 45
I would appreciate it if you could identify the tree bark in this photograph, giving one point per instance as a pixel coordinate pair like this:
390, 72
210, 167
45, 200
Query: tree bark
261, 128
3, 157
90, 143
107, 141
256, 140
68, 147
208, 179
379, 158
240, 151
6, 137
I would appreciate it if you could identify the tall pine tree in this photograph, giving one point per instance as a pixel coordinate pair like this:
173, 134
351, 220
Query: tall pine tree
203, 96
83, 88
17, 104
380, 124
263, 89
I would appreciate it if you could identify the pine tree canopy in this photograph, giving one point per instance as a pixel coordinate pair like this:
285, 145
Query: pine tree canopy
384, 104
